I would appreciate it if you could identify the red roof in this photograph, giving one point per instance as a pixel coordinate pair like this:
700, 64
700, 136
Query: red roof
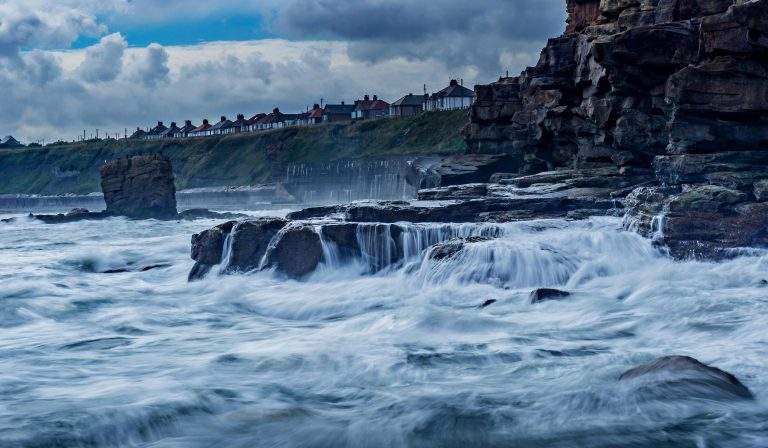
371, 104
202, 127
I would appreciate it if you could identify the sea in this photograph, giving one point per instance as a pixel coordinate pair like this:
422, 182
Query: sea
104, 342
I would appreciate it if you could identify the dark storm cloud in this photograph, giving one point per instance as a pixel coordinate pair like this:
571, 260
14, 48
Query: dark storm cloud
461, 33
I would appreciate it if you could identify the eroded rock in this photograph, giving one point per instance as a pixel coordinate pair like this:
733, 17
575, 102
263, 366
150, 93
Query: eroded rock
140, 187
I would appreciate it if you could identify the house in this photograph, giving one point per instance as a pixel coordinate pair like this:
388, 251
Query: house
185, 130
170, 132
455, 96
338, 112
224, 126
202, 130
367, 108
239, 125
315, 115
155, 132
407, 106
140, 134
9, 142
272, 121
252, 123
289, 120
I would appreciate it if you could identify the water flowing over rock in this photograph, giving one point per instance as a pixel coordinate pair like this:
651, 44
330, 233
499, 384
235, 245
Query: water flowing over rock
547, 294
140, 187
681, 377
678, 88
431, 172
296, 252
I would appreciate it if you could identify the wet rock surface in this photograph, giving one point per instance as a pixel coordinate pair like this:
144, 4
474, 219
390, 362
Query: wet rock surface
296, 253
449, 249
546, 295
683, 377
431, 172
248, 243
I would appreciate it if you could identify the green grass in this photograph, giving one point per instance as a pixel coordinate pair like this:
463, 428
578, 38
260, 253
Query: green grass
234, 160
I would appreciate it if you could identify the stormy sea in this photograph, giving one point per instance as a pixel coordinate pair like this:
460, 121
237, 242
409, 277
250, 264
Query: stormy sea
104, 343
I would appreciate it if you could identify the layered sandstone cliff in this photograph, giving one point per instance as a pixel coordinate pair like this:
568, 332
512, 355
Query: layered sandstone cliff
675, 88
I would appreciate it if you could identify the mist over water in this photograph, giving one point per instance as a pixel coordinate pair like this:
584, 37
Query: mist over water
104, 343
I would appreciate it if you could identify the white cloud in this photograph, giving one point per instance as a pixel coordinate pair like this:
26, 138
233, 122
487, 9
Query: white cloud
104, 61
110, 86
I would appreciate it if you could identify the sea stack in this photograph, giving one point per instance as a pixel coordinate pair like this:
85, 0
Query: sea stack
140, 187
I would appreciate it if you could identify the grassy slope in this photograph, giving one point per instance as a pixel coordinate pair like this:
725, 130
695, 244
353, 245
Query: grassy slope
244, 159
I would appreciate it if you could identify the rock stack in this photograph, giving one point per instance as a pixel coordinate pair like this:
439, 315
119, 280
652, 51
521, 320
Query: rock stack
140, 187
673, 88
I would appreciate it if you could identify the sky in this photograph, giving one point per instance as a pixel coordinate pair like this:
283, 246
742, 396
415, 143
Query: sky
73, 65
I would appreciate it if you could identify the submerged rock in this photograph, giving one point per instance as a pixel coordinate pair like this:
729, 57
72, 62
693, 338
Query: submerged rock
449, 249
680, 377
296, 252
547, 294
78, 214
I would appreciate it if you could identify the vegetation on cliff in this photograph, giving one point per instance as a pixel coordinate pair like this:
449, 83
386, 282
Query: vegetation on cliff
233, 160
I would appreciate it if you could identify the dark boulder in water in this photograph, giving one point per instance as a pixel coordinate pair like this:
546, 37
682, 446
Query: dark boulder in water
297, 251
207, 249
547, 294
250, 240
680, 377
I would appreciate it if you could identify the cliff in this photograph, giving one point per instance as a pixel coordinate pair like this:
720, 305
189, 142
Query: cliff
234, 160
677, 89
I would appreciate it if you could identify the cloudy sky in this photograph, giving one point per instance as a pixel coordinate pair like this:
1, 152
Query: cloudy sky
70, 65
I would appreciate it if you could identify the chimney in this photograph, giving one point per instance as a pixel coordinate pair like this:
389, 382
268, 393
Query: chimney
223, 118
173, 124
276, 111
454, 83
240, 117
342, 103
159, 123
188, 123
316, 106
206, 122
375, 98
366, 98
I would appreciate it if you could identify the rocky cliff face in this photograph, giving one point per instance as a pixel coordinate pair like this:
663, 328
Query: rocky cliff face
674, 88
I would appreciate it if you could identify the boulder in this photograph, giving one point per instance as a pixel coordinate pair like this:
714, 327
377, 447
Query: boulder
683, 377
249, 242
547, 294
296, 252
207, 249
140, 187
